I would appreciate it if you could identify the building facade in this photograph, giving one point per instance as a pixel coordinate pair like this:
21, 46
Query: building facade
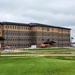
20, 35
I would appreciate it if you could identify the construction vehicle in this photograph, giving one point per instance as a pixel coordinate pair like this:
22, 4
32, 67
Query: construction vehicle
47, 44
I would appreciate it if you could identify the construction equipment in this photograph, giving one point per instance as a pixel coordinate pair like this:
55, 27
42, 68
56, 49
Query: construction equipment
47, 44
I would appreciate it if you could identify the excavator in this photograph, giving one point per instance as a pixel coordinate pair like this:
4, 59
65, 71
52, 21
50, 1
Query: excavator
47, 44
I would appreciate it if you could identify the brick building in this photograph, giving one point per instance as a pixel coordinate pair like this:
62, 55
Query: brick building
21, 35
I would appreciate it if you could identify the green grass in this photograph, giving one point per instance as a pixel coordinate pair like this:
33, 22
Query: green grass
46, 49
37, 66
3, 53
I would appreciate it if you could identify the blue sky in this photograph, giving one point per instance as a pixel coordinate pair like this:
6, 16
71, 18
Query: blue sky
51, 12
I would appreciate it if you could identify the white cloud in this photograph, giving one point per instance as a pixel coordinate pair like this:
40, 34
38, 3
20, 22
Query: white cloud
6, 17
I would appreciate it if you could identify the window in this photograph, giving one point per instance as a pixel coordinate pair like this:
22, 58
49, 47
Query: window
8, 27
38, 28
5, 26
47, 29
13, 27
26, 28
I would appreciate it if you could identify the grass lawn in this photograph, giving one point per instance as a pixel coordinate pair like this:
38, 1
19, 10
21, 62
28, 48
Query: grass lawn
46, 49
37, 66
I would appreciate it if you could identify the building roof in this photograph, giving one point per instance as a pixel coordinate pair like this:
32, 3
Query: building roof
31, 24
44, 25
14, 23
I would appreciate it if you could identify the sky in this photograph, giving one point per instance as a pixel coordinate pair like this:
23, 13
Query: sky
51, 12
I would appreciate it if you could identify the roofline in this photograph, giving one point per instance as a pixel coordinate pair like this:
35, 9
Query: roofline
43, 25
14, 23
32, 24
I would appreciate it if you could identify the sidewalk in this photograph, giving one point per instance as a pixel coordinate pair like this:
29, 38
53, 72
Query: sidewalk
39, 55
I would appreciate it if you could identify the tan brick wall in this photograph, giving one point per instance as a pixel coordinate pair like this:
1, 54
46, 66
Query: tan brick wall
16, 28
39, 33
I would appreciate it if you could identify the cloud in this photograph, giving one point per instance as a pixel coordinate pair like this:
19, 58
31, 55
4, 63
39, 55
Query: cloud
51, 12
